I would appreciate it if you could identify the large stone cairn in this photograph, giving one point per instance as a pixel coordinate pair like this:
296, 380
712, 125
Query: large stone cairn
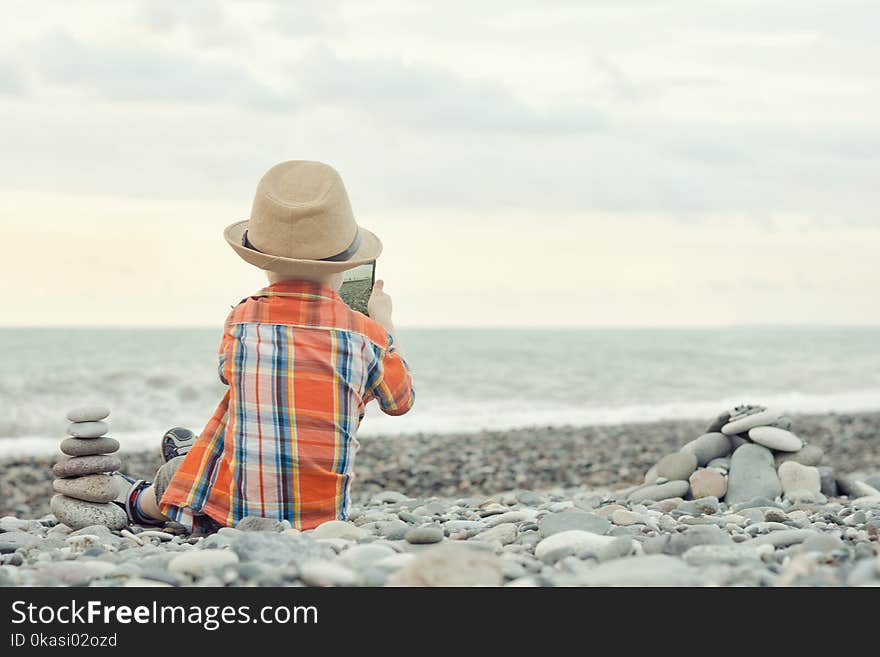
747, 453
85, 489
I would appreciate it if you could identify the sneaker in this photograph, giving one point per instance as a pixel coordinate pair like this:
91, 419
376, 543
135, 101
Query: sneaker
129, 489
176, 442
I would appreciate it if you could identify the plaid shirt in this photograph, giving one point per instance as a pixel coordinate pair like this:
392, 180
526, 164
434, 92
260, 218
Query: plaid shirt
301, 366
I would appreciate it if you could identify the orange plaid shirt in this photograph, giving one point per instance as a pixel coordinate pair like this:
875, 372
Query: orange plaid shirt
301, 366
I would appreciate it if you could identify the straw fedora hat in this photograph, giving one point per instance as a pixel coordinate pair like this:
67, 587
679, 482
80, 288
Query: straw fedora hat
301, 223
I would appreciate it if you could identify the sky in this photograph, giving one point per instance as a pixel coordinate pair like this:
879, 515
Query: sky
604, 163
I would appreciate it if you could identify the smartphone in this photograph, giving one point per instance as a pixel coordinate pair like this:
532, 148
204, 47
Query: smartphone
357, 285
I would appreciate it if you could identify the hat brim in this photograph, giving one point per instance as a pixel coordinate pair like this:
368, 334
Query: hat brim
370, 248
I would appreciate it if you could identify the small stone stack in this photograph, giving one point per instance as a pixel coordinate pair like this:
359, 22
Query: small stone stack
747, 453
85, 488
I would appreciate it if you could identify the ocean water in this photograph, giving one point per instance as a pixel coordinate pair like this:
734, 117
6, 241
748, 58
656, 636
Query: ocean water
466, 379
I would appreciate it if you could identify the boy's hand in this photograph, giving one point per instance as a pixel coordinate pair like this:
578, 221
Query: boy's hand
379, 305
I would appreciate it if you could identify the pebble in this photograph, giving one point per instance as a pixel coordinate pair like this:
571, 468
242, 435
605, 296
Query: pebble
554, 523
89, 446
796, 477
659, 492
424, 535
511, 516
708, 447
452, 564
808, 455
88, 413
361, 556
87, 429
574, 540
99, 488
77, 466
678, 466
650, 570
12, 541
708, 483
327, 573
752, 474
783, 538
775, 438
744, 424
701, 555
339, 529
259, 524
78, 514
827, 483
624, 518
274, 549
198, 563
504, 533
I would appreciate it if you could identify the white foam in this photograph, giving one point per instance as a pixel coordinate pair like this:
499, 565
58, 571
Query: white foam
471, 416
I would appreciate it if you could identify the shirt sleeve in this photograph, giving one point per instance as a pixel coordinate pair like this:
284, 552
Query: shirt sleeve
391, 382
225, 343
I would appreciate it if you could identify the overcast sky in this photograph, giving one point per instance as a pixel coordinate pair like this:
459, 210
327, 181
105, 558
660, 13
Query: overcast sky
601, 163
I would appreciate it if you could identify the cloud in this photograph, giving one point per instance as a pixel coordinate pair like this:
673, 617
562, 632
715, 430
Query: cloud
11, 82
422, 97
130, 74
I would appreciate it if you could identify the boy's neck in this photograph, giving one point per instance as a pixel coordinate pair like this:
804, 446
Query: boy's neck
333, 281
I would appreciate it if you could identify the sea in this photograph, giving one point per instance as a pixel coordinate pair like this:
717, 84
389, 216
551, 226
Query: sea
466, 380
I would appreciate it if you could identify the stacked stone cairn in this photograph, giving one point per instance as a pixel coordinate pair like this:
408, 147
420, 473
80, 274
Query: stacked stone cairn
85, 488
746, 454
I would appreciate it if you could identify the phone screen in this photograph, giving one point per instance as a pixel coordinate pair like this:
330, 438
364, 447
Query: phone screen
357, 284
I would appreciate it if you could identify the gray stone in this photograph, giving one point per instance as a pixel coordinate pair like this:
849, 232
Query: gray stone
553, 523
339, 529
393, 530
269, 548
708, 447
362, 556
321, 572
504, 533
450, 565
821, 543
873, 480
260, 524
852, 487
89, 446
747, 419
680, 542
784, 537
100, 488
718, 422
808, 455
11, 541
659, 492
702, 555
752, 474
198, 563
651, 570
389, 497
827, 483
87, 429
776, 438
424, 535
621, 546
573, 541
88, 413
796, 477
77, 514
77, 466
678, 466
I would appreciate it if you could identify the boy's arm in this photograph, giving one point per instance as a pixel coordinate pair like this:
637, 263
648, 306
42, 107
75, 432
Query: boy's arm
391, 381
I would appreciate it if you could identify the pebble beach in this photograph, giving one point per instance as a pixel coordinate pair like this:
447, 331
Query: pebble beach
547, 506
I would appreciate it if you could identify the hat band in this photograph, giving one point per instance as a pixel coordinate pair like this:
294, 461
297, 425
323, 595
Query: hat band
339, 257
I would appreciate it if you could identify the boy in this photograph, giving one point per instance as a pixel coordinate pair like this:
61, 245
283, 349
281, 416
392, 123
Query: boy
300, 366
